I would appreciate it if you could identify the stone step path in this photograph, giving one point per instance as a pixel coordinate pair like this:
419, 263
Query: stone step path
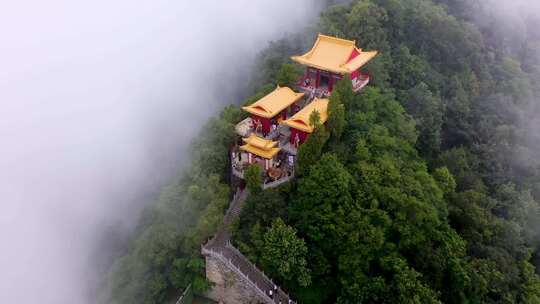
220, 246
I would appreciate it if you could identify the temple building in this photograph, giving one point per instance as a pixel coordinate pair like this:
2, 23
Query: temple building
299, 123
268, 155
272, 109
269, 138
330, 60
260, 150
279, 122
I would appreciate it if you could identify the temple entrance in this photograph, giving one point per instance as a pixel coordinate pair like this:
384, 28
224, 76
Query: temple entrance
324, 81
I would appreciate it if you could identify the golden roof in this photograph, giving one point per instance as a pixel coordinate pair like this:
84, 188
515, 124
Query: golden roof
259, 146
300, 120
273, 103
332, 54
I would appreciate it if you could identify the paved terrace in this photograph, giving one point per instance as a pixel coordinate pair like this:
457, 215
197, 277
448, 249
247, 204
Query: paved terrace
221, 248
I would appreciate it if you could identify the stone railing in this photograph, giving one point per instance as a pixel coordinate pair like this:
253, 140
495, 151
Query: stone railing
255, 269
278, 182
220, 247
236, 269
238, 197
186, 297
360, 82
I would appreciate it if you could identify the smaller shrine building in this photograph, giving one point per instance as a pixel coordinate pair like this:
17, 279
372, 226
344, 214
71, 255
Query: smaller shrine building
299, 123
260, 150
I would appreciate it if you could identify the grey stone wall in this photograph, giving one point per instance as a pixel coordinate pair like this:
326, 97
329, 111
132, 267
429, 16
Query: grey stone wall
229, 287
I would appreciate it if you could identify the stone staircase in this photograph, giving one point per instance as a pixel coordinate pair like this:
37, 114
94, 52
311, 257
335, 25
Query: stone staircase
220, 247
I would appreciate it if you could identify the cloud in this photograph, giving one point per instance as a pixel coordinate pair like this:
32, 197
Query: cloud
99, 100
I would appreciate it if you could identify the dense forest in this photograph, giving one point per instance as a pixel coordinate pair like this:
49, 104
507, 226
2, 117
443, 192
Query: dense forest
423, 188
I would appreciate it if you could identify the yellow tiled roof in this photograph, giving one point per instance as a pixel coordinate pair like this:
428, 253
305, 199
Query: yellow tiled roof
359, 61
260, 146
273, 103
300, 120
331, 54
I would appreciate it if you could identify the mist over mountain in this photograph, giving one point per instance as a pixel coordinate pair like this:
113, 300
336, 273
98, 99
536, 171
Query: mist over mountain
424, 188
99, 100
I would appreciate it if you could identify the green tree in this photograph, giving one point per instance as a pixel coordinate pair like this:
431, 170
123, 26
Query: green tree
254, 179
344, 91
445, 180
259, 212
284, 254
288, 75
365, 22
318, 209
164, 257
427, 111
336, 117
310, 151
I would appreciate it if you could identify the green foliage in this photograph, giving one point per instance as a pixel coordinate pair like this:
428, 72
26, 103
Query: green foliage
336, 117
263, 207
383, 201
315, 119
426, 108
253, 177
310, 151
375, 107
264, 90
271, 59
343, 90
288, 75
445, 180
464, 166
165, 255
284, 254
365, 22
260, 210
326, 188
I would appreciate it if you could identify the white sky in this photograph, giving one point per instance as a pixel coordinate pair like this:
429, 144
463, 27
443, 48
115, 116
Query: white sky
97, 99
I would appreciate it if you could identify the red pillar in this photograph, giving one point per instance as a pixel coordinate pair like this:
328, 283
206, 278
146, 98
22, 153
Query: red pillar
265, 125
318, 80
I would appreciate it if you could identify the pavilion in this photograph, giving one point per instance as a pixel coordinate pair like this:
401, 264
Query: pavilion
272, 108
260, 150
299, 123
330, 60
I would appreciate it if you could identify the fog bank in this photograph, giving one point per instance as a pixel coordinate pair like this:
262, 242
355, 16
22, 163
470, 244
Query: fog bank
99, 100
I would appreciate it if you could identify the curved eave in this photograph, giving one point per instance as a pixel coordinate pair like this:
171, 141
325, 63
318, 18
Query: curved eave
300, 120
299, 126
359, 61
261, 143
268, 154
253, 108
307, 62
257, 112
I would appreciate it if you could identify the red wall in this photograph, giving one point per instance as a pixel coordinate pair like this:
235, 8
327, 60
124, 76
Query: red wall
265, 123
301, 135
353, 55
